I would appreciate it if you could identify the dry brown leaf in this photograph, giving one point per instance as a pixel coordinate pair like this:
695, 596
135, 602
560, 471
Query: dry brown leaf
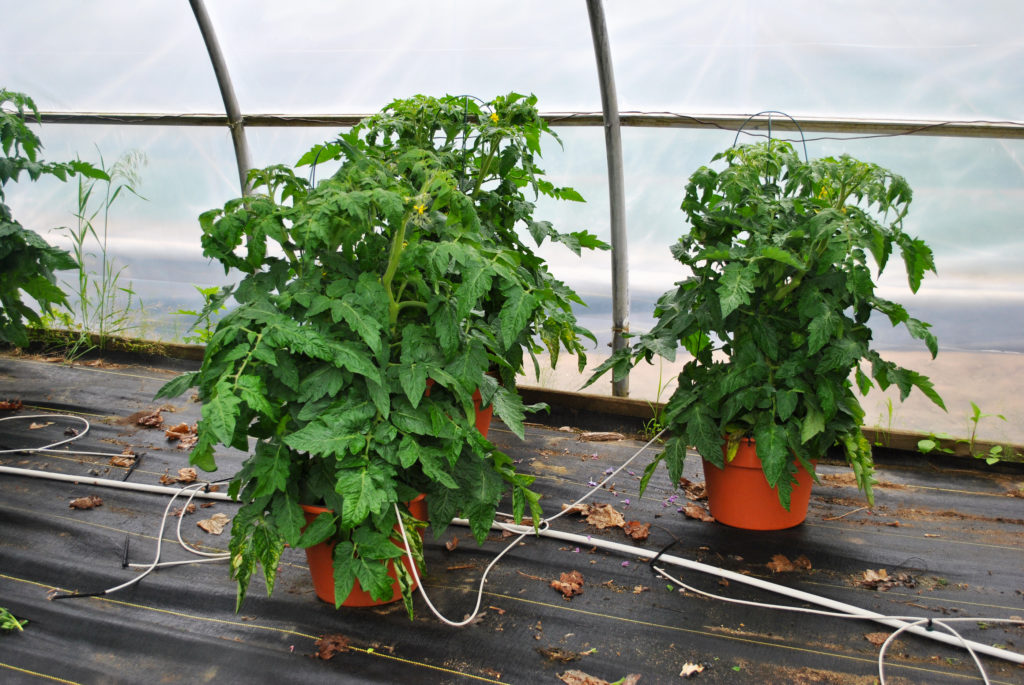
695, 511
190, 509
187, 475
604, 516
600, 436
86, 502
690, 670
881, 580
559, 654
637, 530
36, 426
452, 544
152, 419
10, 405
781, 564
122, 461
576, 677
693, 491
215, 524
877, 639
329, 645
569, 584
637, 589
167, 479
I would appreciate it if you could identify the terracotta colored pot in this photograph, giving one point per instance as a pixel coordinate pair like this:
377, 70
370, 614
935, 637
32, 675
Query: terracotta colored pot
321, 564
739, 495
483, 416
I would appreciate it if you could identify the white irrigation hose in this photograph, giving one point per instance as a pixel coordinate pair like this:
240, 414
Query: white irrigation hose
523, 532
108, 483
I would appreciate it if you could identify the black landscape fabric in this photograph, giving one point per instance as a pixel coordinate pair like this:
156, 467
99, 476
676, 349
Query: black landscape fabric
940, 542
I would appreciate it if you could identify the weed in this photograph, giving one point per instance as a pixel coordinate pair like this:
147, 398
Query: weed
9, 622
934, 441
101, 304
213, 303
656, 424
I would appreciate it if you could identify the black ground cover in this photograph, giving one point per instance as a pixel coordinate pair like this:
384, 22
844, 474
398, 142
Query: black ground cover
950, 541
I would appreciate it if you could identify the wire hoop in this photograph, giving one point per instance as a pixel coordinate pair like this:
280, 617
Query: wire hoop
770, 112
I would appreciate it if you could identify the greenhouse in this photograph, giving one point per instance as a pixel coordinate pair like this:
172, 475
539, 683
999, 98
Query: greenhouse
513, 342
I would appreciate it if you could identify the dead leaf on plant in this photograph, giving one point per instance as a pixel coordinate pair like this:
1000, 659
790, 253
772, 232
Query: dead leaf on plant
89, 502
690, 670
569, 584
695, 511
781, 564
215, 524
637, 530
575, 677
330, 645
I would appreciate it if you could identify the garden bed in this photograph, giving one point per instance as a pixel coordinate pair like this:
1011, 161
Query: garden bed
944, 539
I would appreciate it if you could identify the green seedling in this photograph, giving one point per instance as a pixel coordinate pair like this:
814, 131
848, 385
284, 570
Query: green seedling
9, 622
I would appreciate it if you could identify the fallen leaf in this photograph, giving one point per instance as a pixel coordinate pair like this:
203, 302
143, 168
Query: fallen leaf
167, 479
36, 426
882, 581
575, 677
10, 405
187, 475
181, 431
215, 524
637, 589
559, 654
600, 436
86, 502
693, 491
122, 461
151, 419
781, 564
329, 645
637, 530
695, 511
877, 639
690, 670
931, 535
452, 544
569, 584
190, 509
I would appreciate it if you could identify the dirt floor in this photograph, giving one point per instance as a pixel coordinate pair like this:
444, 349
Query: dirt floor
942, 541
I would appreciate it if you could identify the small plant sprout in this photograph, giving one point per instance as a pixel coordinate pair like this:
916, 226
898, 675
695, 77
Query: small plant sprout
9, 622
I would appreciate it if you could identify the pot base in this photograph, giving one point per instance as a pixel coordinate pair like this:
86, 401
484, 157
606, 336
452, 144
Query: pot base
739, 495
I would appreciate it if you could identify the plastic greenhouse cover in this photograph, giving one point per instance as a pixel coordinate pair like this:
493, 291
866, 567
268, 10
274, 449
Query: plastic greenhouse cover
890, 60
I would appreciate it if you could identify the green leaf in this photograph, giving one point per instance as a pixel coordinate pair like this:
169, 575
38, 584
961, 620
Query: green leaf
220, 413
178, 386
318, 530
345, 564
773, 451
737, 283
367, 490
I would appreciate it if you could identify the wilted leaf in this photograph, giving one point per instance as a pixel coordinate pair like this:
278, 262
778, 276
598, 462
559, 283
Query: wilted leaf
695, 511
86, 502
329, 645
569, 584
690, 670
637, 530
215, 524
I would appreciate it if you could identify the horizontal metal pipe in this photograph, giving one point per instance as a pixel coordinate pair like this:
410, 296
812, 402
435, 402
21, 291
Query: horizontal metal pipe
727, 122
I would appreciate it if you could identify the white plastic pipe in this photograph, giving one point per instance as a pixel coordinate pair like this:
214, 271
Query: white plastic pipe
108, 483
764, 585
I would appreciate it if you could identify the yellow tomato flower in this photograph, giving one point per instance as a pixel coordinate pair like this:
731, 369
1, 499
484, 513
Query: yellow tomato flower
420, 208
494, 117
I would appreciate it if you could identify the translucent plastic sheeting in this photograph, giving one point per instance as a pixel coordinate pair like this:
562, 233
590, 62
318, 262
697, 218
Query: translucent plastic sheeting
939, 60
